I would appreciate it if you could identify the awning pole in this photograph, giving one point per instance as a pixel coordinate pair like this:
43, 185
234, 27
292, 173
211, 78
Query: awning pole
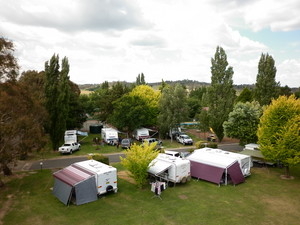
226, 176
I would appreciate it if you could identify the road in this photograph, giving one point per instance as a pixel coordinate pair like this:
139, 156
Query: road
115, 157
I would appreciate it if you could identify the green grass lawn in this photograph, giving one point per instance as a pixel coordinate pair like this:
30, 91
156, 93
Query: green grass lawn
88, 146
264, 199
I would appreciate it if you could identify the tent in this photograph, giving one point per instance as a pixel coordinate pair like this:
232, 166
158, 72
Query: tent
75, 183
244, 161
215, 168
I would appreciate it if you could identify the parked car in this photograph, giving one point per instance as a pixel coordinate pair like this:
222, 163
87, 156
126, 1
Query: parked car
212, 137
185, 139
69, 148
151, 140
126, 143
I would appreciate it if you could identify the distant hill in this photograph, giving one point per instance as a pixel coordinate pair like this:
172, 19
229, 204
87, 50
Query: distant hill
189, 84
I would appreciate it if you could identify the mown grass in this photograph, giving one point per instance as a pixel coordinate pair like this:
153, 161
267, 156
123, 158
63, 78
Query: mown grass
264, 199
88, 146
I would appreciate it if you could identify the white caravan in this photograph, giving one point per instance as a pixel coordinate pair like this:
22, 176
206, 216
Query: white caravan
141, 133
109, 135
105, 175
71, 136
170, 168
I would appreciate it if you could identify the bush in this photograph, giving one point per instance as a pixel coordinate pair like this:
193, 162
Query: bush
203, 144
100, 158
137, 161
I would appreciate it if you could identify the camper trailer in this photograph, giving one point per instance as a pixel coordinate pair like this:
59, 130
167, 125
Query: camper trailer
141, 133
71, 136
109, 135
106, 176
244, 161
170, 168
82, 182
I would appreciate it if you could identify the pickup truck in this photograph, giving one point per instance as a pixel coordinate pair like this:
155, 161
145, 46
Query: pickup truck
185, 139
69, 148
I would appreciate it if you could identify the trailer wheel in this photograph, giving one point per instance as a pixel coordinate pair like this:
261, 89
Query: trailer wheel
171, 184
109, 188
183, 180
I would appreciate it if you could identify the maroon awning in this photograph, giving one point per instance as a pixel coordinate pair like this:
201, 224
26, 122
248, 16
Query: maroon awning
72, 175
235, 173
206, 172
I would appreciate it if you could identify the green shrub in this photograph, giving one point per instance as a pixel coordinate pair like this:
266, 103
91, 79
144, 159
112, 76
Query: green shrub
100, 158
203, 144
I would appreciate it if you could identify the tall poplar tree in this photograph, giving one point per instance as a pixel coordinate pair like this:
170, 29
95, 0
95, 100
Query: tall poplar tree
266, 87
57, 95
221, 94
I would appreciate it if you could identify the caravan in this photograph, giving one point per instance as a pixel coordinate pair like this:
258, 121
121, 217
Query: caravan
109, 135
141, 133
83, 181
170, 168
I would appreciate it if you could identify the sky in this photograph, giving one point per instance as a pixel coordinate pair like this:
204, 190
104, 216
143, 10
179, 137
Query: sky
116, 40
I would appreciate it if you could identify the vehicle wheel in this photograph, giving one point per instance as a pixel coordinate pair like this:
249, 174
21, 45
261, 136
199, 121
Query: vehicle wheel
171, 184
183, 180
71, 152
183, 143
109, 188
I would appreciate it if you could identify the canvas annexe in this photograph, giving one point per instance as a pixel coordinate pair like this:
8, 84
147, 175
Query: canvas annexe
244, 161
215, 168
82, 182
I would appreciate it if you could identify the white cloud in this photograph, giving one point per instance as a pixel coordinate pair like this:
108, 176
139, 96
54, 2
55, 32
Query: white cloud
74, 15
117, 40
260, 14
288, 73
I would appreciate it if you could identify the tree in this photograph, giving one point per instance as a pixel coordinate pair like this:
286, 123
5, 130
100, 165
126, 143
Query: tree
151, 98
57, 97
9, 68
76, 115
140, 80
173, 108
203, 121
286, 90
130, 112
162, 85
137, 161
243, 122
297, 93
102, 99
266, 87
21, 119
195, 101
279, 131
245, 96
221, 94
